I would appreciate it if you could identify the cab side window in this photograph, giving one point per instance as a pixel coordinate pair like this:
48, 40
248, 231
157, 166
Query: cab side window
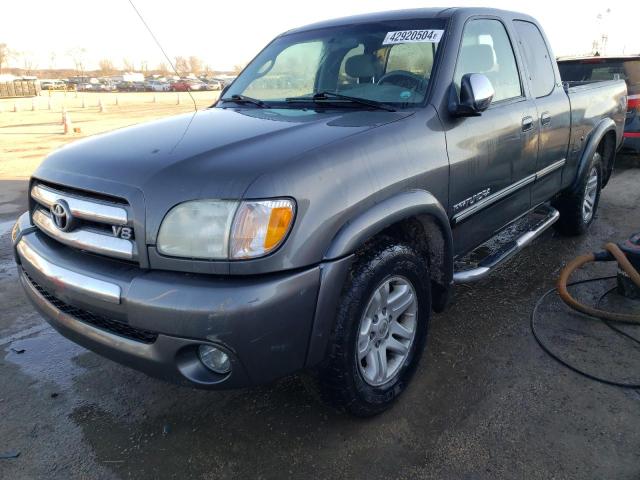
486, 49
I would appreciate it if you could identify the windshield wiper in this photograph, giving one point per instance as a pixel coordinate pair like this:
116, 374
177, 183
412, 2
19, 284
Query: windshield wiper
244, 99
328, 96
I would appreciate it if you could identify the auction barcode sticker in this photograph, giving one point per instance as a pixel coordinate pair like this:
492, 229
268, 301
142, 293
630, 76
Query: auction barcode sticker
413, 36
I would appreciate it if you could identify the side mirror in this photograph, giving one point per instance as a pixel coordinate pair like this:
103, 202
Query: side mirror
476, 94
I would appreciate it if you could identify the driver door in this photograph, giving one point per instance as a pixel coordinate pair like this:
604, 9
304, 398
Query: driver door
492, 156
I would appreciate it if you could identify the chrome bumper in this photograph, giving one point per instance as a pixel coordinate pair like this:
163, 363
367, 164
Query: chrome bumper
68, 279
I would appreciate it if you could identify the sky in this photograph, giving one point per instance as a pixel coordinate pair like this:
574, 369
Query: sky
228, 33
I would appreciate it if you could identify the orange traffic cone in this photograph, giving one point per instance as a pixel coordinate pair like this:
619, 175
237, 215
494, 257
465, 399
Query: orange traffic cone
68, 127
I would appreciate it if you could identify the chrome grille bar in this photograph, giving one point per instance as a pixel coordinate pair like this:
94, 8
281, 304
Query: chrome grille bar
85, 239
80, 208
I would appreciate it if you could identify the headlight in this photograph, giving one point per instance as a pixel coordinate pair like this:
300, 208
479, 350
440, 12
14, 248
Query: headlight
197, 229
260, 227
223, 229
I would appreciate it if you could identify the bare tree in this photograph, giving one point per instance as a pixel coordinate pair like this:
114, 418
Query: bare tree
163, 69
5, 55
195, 64
78, 56
106, 67
52, 60
28, 63
182, 65
128, 65
239, 67
144, 66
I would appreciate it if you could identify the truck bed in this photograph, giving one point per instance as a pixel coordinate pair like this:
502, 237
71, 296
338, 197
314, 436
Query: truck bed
591, 103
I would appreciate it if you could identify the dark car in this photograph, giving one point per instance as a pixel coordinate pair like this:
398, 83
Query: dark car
322, 209
611, 68
127, 86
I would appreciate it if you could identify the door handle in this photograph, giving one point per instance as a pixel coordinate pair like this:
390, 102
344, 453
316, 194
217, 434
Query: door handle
545, 119
527, 123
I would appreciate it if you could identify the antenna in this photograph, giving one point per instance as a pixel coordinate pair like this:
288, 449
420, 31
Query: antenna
195, 106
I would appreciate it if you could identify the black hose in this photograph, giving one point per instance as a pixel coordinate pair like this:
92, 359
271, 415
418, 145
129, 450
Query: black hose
610, 324
566, 362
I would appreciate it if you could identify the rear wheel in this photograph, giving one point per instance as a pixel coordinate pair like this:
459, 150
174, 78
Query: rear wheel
578, 209
380, 330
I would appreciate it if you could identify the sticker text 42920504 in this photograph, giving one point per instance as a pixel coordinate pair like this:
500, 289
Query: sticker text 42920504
413, 36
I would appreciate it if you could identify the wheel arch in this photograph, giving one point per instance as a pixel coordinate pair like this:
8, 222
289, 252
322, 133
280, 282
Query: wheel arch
414, 216
603, 140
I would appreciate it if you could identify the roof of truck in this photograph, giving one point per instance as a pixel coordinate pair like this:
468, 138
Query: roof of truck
409, 14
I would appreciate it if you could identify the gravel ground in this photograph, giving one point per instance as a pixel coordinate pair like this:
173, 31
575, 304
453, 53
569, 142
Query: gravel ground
485, 403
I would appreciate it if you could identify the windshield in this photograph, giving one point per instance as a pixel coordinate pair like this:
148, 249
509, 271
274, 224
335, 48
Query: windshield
384, 62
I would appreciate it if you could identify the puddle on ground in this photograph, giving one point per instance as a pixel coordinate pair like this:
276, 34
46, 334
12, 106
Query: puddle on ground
6, 226
47, 356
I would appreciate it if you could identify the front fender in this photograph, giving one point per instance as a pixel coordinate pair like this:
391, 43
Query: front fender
413, 203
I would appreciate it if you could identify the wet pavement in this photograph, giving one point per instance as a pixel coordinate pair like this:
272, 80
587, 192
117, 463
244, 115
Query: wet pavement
486, 402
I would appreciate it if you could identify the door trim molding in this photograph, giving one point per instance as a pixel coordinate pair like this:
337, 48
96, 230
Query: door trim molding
491, 199
550, 168
500, 194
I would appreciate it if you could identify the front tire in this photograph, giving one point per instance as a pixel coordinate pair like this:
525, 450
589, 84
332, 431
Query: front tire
578, 209
380, 330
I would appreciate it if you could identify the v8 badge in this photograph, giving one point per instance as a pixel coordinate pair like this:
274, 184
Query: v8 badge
122, 232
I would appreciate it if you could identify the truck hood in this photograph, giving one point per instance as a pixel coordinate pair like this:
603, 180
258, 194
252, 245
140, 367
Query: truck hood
213, 153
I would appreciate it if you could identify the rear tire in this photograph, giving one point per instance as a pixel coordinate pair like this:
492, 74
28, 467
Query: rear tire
374, 350
578, 209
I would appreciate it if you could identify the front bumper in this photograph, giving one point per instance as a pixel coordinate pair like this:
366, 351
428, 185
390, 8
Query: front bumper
154, 321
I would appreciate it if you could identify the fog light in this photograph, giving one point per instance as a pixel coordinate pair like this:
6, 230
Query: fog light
214, 359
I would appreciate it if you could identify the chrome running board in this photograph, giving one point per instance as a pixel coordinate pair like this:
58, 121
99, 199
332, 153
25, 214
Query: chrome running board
507, 250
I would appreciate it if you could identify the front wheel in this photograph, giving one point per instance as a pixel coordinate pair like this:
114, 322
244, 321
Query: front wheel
578, 209
380, 330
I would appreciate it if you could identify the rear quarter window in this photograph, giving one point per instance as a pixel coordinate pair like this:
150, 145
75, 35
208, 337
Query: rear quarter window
537, 57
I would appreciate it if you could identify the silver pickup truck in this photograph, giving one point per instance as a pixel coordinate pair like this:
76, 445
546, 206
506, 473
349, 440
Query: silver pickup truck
324, 207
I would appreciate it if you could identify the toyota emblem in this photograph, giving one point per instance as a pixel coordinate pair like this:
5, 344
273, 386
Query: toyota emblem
61, 215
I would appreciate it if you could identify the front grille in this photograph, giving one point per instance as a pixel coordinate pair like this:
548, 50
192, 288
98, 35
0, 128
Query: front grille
89, 222
112, 326
101, 197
